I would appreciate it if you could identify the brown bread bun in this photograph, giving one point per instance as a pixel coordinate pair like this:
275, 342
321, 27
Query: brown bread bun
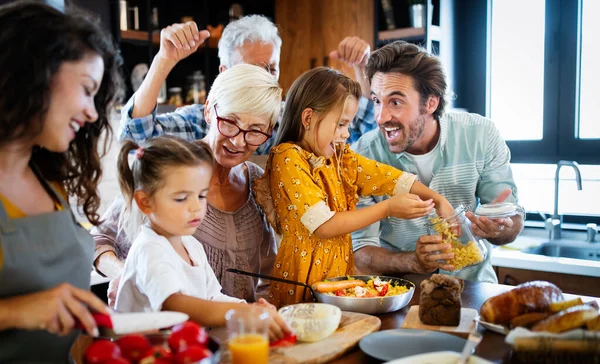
566, 320
535, 296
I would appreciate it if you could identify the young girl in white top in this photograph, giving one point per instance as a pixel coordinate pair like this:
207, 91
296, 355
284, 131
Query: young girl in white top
166, 268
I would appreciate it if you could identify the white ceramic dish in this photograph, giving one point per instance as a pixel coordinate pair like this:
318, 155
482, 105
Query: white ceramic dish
440, 357
400, 343
493, 327
312, 321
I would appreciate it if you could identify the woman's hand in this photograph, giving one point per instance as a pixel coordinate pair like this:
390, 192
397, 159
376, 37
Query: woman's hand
56, 310
178, 41
111, 293
408, 206
278, 327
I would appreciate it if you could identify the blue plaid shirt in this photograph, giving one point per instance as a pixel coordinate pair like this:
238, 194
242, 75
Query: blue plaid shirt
188, 122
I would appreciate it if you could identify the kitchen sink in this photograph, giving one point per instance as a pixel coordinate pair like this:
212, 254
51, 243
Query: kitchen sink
566, 249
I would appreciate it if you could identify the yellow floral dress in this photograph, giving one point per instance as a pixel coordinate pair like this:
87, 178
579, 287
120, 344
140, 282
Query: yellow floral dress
299, 192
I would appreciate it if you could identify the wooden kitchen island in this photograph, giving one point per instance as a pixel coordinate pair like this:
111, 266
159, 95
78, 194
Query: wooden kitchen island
492, 347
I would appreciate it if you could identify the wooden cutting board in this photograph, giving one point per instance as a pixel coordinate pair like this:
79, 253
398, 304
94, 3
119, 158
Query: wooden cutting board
463, 329
353, 327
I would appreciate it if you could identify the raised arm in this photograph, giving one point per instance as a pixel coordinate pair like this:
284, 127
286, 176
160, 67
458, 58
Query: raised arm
177, 42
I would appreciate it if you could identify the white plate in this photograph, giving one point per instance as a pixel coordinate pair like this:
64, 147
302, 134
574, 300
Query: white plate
440, 357
493, 327
399, 343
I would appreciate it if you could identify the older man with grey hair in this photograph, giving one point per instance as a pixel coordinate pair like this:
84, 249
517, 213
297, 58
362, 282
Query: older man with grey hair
253, 39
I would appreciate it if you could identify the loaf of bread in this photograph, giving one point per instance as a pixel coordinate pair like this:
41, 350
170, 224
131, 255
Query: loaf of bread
440, 301
535, 296
566, 320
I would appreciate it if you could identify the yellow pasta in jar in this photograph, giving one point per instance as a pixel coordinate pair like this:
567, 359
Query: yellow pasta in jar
464, 255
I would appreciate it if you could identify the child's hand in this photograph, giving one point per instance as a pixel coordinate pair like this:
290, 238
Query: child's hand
444, 209
278, 328
408, 206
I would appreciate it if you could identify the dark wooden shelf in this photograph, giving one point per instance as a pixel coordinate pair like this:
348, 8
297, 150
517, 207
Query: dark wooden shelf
141, 37
409, 33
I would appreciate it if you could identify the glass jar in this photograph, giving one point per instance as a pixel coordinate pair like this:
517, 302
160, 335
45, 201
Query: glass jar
499, 210
196, 89
175, 98
469, 250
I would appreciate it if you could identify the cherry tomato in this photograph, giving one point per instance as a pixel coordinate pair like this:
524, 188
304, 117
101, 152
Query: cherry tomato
288, 340
384, 290
117, 361
340, 293
134, 346
157, 355
186, 335
192, 354
101, 351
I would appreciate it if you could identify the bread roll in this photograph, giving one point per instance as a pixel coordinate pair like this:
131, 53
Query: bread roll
440, 302
535, 296
566, 320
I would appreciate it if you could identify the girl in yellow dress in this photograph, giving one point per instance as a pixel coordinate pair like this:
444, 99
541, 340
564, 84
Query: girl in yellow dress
313, 180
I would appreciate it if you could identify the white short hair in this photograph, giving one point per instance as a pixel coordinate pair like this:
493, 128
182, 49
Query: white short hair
245, 88
251, 28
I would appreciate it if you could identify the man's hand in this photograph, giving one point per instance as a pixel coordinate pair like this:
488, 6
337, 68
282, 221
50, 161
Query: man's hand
353, 51
488, 228
432, 253
178, 41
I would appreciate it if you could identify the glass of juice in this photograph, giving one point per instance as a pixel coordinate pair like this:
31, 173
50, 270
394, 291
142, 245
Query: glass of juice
248, 335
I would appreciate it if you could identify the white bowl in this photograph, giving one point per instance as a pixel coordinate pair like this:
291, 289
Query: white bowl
312, 321
439, 357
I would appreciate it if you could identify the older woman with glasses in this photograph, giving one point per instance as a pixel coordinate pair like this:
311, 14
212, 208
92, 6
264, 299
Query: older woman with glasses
242, 107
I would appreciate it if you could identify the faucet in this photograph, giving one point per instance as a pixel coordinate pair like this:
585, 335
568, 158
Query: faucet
556, 222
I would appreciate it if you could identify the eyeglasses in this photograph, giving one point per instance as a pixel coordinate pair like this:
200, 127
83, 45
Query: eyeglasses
230, 129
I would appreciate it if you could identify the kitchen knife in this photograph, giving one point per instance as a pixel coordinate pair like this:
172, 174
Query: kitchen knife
128, 323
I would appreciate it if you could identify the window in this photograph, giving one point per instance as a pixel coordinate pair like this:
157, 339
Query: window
589, 108
543, 78
543, 87
518, 59
536, 191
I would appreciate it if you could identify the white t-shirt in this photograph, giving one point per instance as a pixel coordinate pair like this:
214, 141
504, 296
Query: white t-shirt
424, 164
154, 271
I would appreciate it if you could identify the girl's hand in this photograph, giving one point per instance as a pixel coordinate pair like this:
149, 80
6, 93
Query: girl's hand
56, 310
278, 328
444, 209
408, 206
178, 41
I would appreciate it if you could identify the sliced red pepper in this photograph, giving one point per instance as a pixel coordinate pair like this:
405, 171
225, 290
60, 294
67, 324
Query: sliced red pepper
288, 340
340, 293
384, 290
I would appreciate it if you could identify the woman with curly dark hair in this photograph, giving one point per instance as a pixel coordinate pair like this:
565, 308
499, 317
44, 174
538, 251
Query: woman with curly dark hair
58, 80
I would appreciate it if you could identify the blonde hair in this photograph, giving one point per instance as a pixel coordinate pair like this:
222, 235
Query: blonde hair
245, 88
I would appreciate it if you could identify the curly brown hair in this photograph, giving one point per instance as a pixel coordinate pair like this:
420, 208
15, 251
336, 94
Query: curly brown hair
40, 39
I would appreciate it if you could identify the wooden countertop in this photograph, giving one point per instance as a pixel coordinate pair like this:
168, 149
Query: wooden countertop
492, 347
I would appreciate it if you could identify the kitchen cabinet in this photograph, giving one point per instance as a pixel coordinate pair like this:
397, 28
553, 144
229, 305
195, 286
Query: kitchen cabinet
568, 283
311, 29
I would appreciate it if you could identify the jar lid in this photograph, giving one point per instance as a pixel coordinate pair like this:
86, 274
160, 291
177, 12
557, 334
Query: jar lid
499, 210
